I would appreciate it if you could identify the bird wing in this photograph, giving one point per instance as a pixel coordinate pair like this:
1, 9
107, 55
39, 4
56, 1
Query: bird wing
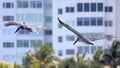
39, 27
13, 23
76, 32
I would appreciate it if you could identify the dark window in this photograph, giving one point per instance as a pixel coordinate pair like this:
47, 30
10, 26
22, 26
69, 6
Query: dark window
25, 4
59, 11
86, 21
106, 9
8, 45
60, 39
70, 52
71, 9
48, 32
67, 9
108, 23
93, 7
110, 9
100, 21
60, 53
100, 6
8, 18
86, 7
79, 7
22, 4
35, 4
93, 21
79, 21
8, 5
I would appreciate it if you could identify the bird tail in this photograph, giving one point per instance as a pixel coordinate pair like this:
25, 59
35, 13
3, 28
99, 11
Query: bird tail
76, 41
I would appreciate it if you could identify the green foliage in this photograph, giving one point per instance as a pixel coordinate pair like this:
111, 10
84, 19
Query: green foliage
44, 53
97, 55
35, 64
69, 63
3, 64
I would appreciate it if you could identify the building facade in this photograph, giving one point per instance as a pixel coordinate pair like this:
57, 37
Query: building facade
33, 12
92, 18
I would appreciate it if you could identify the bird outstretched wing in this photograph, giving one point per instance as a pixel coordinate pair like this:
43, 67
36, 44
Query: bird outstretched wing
13, 24
39, 27
80, 36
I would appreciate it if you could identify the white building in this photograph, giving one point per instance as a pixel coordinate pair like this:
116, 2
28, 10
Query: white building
92, 18
33, 12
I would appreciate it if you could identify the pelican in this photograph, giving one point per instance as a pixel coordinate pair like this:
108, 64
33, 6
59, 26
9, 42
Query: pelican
80, 37
31, 28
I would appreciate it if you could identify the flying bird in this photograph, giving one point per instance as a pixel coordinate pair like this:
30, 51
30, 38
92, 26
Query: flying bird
80, 37
32, 28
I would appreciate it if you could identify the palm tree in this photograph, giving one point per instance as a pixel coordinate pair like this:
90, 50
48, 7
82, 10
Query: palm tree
112, 57
97, 55
69, 63
80, 60
44, 54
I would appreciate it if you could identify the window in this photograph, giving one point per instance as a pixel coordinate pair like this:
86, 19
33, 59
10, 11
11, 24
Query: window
80, 49
100, 6
86, 49
8, 45
8, 18
48, 6
30, 17
93, 21
8, 5
86, 7
21, 31
22, 43
60, 53
70, 52
79, 7
48, 32
22, 4
86, 21
79, 21
93, 49
108, 9
60, 39
59, 11
108, 23
36, 43
109, 37
8, 57
69, 9
99, 21
35, 4
70, 38
48, 19
93, 7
